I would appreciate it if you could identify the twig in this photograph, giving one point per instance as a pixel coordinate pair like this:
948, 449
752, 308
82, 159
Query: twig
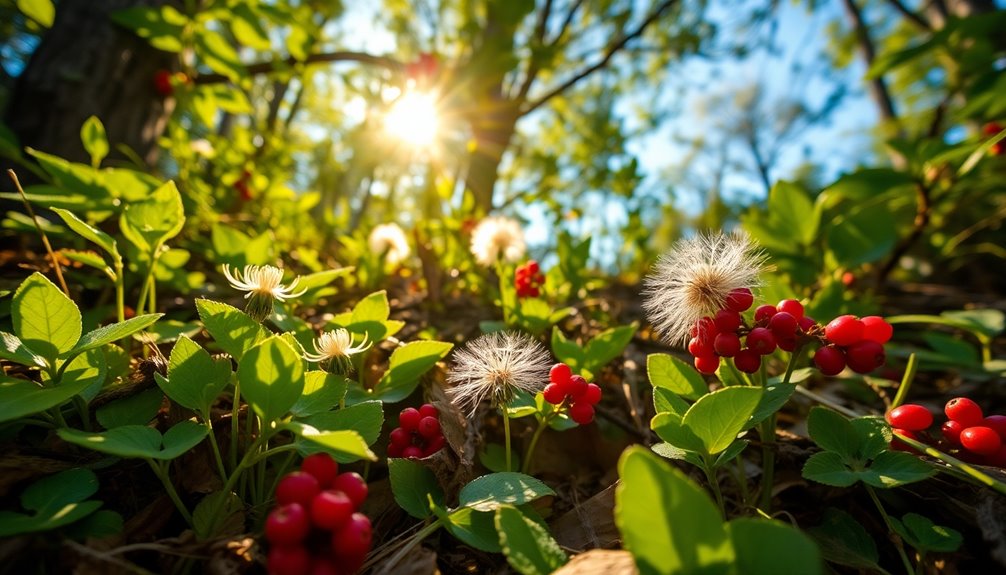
276, 65
45, 239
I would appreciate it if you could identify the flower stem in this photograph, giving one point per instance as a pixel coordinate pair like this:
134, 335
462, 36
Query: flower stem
890, 529
216, 449
526, 465
235, 426
767, 432
710, 470
506, 437
162, 473
957, 467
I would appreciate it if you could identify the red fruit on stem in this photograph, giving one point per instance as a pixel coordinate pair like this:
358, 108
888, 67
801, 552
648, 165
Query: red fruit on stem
998, 423
830, 360
763, 313
899, 445
747, 360
323, 566
876, 329
395, 450
981, 440
707, 364
412, 452
292, 560
761, 341
727, 344
865, 356
727, 320
400, 437
287, 524
353, 539
532, 267
434, 445
429, 427
782, 325
322, 467
698, 347
162, 83
581, 412
409, 419
844, 330
951, 431
331, 509
427, 410
577, 387
739, 299
910, 416
792, 307
593, 394
560, 373
964, 411
297, 487
353, 485
806, 323
554, 393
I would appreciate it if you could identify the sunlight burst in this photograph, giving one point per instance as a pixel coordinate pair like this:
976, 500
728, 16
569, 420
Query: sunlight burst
413, 118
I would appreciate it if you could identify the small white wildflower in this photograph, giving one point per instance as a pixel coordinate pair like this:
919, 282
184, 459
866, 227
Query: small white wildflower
496, 366
334, 348
263, 284
693, 280
202, 147
497, 238
388, 241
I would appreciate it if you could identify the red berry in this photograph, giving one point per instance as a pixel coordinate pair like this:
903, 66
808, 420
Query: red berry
899, 445
998, 423
330, 509
323, 566
865, 356
581, 412
844, 330
400, 437
783, 325
739, 299
964, 411
412, 452
786, 343
560, 373
353, 539
322, 467
705, 330
876, 329
577, 387
593, 394
409, 419
429, 427
763, 313
830, 360
287, 524
532, 267
698, 347
792, 307
981, 440
162, 82
353, 485
707, 364
395, 450
554, 393
727, 344
911, 417
727, 320
997, 459
761, 341
747, 360
951, 431
427, 410
806, 323
292, 560
434, 445
297, 487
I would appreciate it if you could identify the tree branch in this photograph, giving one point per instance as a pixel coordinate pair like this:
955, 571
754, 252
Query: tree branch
878, 87
339, 56
537, 42
566, 22
912, 16
608, 54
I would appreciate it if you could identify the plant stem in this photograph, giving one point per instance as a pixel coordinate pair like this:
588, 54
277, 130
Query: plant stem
57, 415
413, 541
526, 465
162, 474
216, 449
890, 530
235, 426
281, 471
506, 437
38, 227
82, 411
767, 432
958, 467
742, 480
710, 470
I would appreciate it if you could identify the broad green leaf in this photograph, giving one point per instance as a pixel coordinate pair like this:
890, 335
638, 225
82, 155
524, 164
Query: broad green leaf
17, 523
668, 523
169, 330
21, 398
194, 378
828, 467
873, 435
155, 220
984, 322
136, 409
100, 524
248, 28
730, 453
671, 428
13, 349
669, 451
113, 332
42, 12
365, 418
716, 418
475, 528
271, 375
218, 54
924, 535
322, 392
844, 541
216, 511
54, 501
89, 232
862, 235
776, 395
671, 373
488, 492
344, 445
567, 351
791, 206
896, 468
407, 364
413, 484
162, 27
139, 441
528, 547
764, 546
88, 368
44, 318
607, 345
92, 135
182, 437
91, 259
665, 400
832, 431
230, 327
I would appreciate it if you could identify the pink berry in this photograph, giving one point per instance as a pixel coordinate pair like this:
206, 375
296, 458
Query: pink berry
761, 341
322, 467
727, 344
865, 356
427, 410
747, 360
560, 373
554, 394
876, 329
352, 543
739, 299
951, 431
763, 313
964, 411
844, 330
792, 307
409, 419
782, 325
707, 364
593, 394
786, 343
830, 360
287, 524
727, 320
981, 440
353, 485
911, 417
429, 427
998, 423
297, 487
288, 560
581, 412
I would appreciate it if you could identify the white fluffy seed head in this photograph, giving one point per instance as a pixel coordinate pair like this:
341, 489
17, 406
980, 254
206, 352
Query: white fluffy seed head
497, 238
496, 366
693, 280
389, 240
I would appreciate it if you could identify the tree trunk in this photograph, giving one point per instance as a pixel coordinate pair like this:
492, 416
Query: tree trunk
492, 131
87, 65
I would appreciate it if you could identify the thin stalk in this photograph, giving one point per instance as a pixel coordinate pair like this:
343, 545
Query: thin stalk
506, 437
82, 411
742, 481
714, 485
235, 425
216, 449
413, 541
120, 291
767, 432
526, 466
890, 530
906, 382
148, 281
57, 416
38, 227
162, 474
958, 467
281, 471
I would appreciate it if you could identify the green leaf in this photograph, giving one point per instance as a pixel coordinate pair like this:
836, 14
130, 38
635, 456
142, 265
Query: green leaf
138, 441
669, 451
671, 428
162, 27
155, 220
773, 547
322, 392
194, 378
828, 467
730, 453
136, 409
100, 524
873, 435
413, 484
89, 232
214, 512
791, 207
55, 501
230, 327
528, 547
92, 135
13, 349
606, 346
88, 258
344, 445
473, 528
407, 364
665, 400
833, 432
44, 318
567, 351
776, 395
844, 541
182, 437
90, 367
924, 535
21, 398
42, 12
716, 418
218, 54
668, 523
861, 235
17, 523
365, 418
113, 332
271, 375
671, 373
248, 28
488, 492
896, 468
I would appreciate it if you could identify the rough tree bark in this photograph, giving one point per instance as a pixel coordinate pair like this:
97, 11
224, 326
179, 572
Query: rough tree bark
87, 65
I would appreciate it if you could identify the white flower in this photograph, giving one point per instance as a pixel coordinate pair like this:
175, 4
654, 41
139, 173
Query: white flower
335, 348
263, 284
496, 366
388, 240
693, 279
202, 147
496, 238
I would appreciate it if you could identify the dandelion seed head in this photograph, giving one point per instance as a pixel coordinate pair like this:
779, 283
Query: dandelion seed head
497, 238
496, 366
263, 284
389, 240
693, 280
335, 347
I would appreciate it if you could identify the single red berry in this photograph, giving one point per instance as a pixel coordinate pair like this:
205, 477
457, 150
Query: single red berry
593, 394
330, 509
412, 452
782, 325
427, 410
532, 267
727, 320
865, 356
162, 83
705, 330
981, 440
353, 539
560, 373
899, 445
951, 431
727, 344
844, 330
297, 487
763, 313
806, 324
997, 459
761, 341
830, 360
353, 485
964, 411
577, 387
911, 417
322, 467
786, 343
288, 560
581, 412
287, 524
707, 364
395, 450
998, 423
848, 278
747, 360
434, 445
409, 419
698, 347
400, 437
429, 427
792, 307
876, 329
323, 566
739, 299
554, 393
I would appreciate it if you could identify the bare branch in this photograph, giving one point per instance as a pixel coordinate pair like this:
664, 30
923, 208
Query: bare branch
339, 56
912, 16
566, 22
536, 43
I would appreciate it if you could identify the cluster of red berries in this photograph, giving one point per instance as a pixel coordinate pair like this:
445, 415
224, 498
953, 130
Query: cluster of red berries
529, 279
418, 433
968, 433
991, 129
853, 342
565, 387
165, 81
316, 526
